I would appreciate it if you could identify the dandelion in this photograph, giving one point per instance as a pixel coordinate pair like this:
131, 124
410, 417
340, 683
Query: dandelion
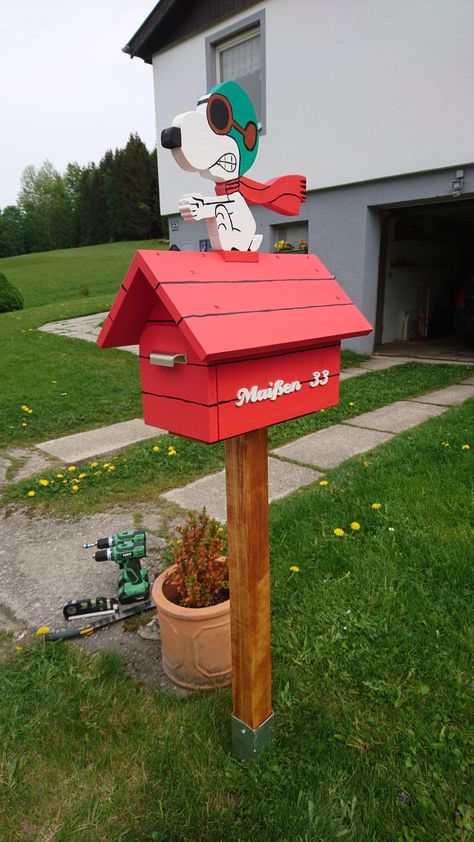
29, 411
81, 476
72, 468
355, 526
31, 493
466, 447
43, 482
323, 482
74, 488
94, 464
42, 630
339, 532
24, 424
59, 476
54, 381
156, 449
294, 568
106, 464
376, 506
97, 473
171, 451
24, 407
110, 468
366, 464
351, 404
446, 444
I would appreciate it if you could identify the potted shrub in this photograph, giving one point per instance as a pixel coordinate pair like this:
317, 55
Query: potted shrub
282, 246
193, 605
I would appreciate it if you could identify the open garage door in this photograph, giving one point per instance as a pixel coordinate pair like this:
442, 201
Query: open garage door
427, 253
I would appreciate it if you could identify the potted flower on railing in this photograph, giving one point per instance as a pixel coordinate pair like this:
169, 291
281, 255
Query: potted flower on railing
282, 246
193, 605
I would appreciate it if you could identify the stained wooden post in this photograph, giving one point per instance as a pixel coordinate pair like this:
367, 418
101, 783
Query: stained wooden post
246, 459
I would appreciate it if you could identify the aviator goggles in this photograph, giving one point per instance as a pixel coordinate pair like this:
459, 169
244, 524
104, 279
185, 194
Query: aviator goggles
221, 120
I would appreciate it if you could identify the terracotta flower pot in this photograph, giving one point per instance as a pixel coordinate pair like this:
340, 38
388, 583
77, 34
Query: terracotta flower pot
195, 641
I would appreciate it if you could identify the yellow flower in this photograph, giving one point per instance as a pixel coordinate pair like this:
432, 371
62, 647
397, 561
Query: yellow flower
24, 424
466, 447
376, 506
446, 444
97, 473
323, 482
43, 482
94, 464
74, 488
156, 449
294, 568
106, 464
81, 476
339, 532
29, 411
110, 468
366, 464
351, 403
355, 526
171, 451
42, 630
59, 476
31, 493
72, 468
24, 407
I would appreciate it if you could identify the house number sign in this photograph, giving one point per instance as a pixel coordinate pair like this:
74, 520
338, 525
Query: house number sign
278, 388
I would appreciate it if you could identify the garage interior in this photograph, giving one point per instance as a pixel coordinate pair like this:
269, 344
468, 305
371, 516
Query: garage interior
426, 254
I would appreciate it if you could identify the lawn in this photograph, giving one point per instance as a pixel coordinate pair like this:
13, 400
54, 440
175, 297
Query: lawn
372, 684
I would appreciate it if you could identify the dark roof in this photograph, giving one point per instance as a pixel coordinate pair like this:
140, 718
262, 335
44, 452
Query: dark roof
173, 20
234, 310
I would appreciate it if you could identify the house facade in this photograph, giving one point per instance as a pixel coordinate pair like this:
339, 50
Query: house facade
372, 101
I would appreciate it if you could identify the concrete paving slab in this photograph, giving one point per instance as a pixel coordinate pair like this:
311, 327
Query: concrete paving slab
450, 396
397, 417
83, 327
92, 443
347, 373
380, 363
328, 448
210, 491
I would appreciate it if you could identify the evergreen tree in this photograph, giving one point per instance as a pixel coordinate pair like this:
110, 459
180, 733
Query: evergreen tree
136, 196
12, 235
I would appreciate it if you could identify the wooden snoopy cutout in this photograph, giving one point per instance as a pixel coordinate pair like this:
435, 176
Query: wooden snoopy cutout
220, 141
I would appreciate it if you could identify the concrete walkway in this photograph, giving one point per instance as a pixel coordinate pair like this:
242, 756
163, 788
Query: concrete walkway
305, 458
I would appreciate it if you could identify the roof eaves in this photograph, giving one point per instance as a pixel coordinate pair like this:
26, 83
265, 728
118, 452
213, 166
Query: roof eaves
137, 44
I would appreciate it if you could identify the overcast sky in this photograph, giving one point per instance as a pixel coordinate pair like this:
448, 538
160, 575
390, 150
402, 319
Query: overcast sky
67, 92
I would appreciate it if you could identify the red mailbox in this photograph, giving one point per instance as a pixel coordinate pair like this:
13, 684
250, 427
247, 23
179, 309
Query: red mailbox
232, 341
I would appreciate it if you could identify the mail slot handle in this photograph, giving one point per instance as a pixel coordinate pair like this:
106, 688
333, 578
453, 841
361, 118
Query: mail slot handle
168, 360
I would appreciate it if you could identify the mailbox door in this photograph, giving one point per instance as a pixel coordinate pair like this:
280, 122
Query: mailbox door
259, 392
181, 398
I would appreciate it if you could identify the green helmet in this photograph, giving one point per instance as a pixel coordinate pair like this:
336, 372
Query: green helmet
230, 111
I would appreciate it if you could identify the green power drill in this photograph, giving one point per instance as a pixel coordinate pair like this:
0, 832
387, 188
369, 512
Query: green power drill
136, 535
133, 581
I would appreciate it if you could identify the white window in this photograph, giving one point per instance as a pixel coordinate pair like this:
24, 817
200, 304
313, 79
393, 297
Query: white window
237, 54
239, 59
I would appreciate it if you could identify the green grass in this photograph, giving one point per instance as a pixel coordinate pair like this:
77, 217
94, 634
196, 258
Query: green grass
67, 274
140, 473
372, 685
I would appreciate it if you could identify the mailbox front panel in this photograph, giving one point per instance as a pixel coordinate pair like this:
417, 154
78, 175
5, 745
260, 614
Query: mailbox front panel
260, 392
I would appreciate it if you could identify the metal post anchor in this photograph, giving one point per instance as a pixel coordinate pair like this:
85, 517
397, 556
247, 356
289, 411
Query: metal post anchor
248, 743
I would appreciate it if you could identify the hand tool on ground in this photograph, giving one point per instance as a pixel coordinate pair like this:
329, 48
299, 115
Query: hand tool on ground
133, 581
99, 606
121, 614
136, 535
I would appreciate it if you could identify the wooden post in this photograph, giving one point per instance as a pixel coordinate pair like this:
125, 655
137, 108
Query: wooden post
246, 459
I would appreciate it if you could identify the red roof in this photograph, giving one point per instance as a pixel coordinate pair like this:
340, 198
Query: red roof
229, 310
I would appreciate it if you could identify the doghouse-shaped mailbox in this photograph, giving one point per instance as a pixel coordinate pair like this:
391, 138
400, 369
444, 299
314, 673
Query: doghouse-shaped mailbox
232, 342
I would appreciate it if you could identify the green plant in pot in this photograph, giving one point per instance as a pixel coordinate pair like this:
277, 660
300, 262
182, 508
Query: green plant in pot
193, 605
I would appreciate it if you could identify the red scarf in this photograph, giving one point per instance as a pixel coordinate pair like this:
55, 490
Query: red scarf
283, 195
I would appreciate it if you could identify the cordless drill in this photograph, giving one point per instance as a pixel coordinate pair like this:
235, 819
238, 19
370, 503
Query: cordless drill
136, 535
133, 584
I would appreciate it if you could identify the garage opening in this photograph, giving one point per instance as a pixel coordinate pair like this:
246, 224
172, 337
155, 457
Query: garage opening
426, 255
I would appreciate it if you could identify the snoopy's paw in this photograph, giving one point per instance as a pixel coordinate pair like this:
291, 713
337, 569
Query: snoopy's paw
193, 207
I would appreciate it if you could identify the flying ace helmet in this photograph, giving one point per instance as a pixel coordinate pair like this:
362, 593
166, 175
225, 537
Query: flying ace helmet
230, 111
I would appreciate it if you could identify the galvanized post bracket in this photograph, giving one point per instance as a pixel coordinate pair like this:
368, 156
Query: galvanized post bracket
248, 743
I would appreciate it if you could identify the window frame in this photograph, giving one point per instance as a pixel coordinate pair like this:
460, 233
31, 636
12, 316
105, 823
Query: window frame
231, 36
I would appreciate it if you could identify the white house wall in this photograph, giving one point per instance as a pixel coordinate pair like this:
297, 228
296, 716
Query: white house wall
356, 90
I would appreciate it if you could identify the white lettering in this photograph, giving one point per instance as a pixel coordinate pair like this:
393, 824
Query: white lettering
274, 391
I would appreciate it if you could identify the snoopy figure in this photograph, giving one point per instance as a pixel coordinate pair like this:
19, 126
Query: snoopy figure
219, 140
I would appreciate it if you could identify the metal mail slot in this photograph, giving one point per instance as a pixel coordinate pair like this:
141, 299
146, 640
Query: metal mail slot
168, 360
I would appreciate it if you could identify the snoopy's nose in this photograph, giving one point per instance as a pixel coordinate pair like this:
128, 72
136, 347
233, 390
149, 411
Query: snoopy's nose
171, 138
